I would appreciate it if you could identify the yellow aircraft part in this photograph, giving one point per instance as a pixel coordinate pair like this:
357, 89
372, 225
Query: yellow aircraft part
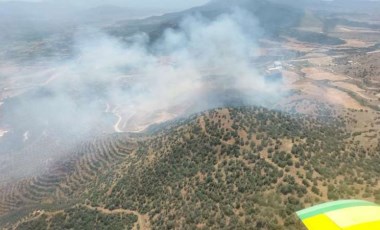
344, 214
320, 221
368, 226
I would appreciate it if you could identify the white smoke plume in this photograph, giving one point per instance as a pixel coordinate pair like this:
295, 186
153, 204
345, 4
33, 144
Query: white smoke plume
113, 85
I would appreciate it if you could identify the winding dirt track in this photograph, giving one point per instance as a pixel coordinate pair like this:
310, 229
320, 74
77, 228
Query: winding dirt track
141, 224
142, 221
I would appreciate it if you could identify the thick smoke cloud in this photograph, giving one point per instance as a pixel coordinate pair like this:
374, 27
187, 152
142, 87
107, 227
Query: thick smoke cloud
114, 85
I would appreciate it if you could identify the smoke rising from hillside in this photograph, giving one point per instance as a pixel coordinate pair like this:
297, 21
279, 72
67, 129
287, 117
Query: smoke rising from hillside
131, 83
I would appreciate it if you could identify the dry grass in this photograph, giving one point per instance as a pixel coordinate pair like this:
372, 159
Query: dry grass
356, 43
338, 97
354, 88
293, 44
318, 74
346, 29
327, 94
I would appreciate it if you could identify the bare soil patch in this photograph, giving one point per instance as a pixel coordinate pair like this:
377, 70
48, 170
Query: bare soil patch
321, 61
356, 43
290, 77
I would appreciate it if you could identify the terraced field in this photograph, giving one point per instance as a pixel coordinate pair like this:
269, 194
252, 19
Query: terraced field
69, 177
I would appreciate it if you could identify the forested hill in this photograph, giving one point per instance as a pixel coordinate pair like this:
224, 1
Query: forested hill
228, 168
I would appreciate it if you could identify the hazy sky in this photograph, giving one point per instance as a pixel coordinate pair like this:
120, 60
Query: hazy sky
163, 4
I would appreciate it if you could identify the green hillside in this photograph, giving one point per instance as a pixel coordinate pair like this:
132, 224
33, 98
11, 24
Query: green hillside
228, 168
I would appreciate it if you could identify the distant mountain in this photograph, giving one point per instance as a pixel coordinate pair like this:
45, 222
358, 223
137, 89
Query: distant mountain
273, 17
111, 13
